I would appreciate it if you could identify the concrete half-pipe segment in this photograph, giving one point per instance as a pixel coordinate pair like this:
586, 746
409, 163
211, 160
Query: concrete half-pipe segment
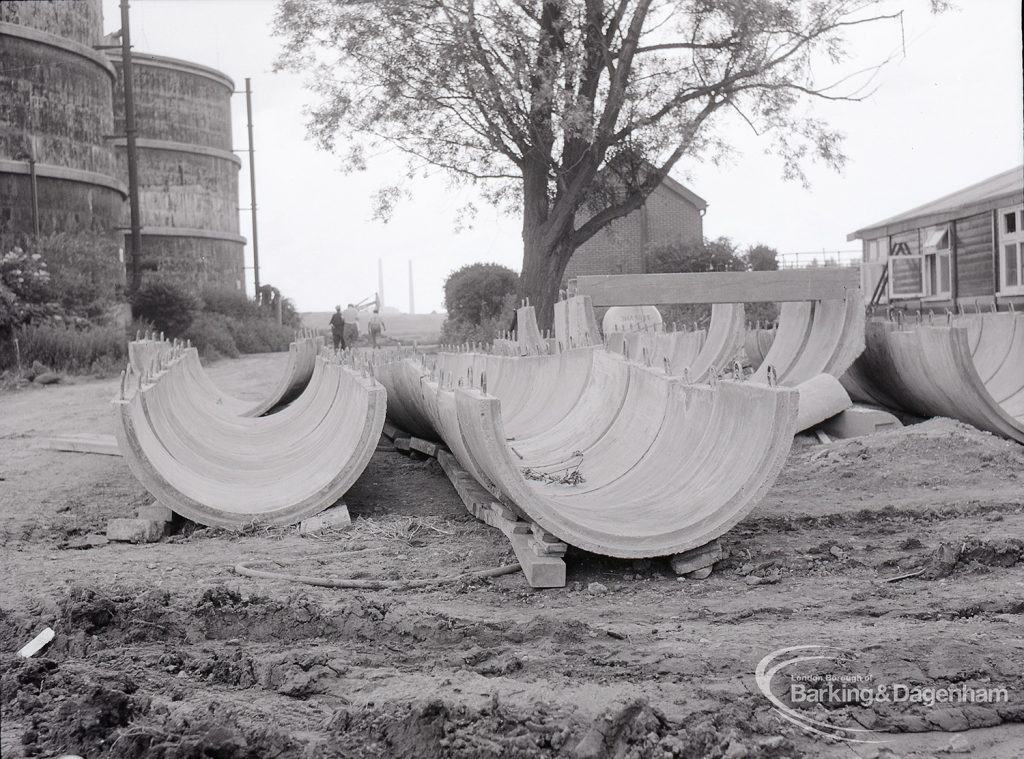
814, 337
972, 370
146, 355
200, 460
757, 342
626, 462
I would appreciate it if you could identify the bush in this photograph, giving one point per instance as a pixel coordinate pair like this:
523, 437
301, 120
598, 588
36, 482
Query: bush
86, 273
24, 290
457, 331
710, 255
66, 349
260, 335
222, 300
211, 335
169, 306
478, 292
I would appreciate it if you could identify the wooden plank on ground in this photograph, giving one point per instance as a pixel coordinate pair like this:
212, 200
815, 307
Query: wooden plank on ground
542, 563
105, 445
817, 283
424, 446
390, 431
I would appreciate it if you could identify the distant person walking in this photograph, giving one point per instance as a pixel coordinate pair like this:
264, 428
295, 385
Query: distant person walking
350, 332
375, 326
338, 329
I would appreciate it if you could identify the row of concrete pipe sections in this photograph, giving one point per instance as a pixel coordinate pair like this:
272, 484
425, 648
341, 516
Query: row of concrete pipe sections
633, 445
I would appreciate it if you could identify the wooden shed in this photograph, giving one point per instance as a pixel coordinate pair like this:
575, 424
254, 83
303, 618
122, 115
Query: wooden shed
965, 250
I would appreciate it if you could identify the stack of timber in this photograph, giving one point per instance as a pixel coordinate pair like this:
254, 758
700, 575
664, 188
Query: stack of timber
220, 464
971, 368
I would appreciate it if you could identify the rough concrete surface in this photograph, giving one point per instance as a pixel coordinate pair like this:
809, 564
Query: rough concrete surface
161, 651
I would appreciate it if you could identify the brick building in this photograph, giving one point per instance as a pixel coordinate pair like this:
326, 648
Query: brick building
672, 212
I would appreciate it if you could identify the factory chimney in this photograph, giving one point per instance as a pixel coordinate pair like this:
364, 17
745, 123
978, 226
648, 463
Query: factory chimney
380, 284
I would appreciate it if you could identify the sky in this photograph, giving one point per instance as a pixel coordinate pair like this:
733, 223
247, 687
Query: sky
946, 114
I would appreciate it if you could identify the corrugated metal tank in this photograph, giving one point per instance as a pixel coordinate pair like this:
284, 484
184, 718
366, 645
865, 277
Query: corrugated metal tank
56, 105
188, 176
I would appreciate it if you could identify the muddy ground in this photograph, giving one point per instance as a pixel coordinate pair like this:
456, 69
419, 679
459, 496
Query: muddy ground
162, 651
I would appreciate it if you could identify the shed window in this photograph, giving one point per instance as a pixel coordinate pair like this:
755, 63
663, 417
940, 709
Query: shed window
906, 269
1011, 250
938, 279
938, 239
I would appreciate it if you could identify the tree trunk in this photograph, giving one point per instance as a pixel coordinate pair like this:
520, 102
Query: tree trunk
543, 268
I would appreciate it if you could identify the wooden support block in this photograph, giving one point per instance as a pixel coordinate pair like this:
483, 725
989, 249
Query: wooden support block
105, 445
697, 558
402, 444
135, 530
390, 431
541, 570
155, 511
819, 283
334, 518
543, 535
424, 446
548, 549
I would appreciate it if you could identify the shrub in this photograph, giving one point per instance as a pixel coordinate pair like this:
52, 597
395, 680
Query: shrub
87, 275
24, 290
456, 331
222, 300
478, 292
260, 335
62, 348
720, 254
169, 306
211, 335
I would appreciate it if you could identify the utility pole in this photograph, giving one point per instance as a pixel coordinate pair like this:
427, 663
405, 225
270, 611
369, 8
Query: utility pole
135, 277
34, 185
252, 191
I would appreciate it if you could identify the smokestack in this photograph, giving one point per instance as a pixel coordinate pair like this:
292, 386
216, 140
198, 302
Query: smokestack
412, 303
380, 284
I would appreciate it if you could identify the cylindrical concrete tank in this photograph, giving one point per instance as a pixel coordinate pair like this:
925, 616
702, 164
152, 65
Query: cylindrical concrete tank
56, 109
188, 176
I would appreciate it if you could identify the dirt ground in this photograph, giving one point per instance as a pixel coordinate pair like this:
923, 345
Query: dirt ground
161, 650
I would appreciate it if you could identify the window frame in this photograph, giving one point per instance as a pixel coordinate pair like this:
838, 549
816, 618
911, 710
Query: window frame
938, 232
894, 257
1004, 238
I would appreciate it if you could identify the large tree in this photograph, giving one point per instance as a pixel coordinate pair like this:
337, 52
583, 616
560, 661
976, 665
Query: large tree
570, 111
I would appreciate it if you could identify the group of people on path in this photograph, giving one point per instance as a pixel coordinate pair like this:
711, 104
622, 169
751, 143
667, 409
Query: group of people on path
345, 327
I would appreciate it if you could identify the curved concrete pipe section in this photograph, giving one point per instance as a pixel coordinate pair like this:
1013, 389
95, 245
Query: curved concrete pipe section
972, 371
148, 354
200, 460
575, 323
814, 337
757, 342
608, 455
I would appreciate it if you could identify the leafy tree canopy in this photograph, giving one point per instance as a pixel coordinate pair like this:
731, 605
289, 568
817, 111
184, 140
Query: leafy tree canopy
572, 111
477, 292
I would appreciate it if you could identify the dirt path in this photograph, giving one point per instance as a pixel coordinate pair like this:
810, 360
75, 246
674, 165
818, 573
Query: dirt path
162, 651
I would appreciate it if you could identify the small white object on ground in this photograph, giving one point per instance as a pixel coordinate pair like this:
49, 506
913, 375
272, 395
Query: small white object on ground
35, 645
336, 517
